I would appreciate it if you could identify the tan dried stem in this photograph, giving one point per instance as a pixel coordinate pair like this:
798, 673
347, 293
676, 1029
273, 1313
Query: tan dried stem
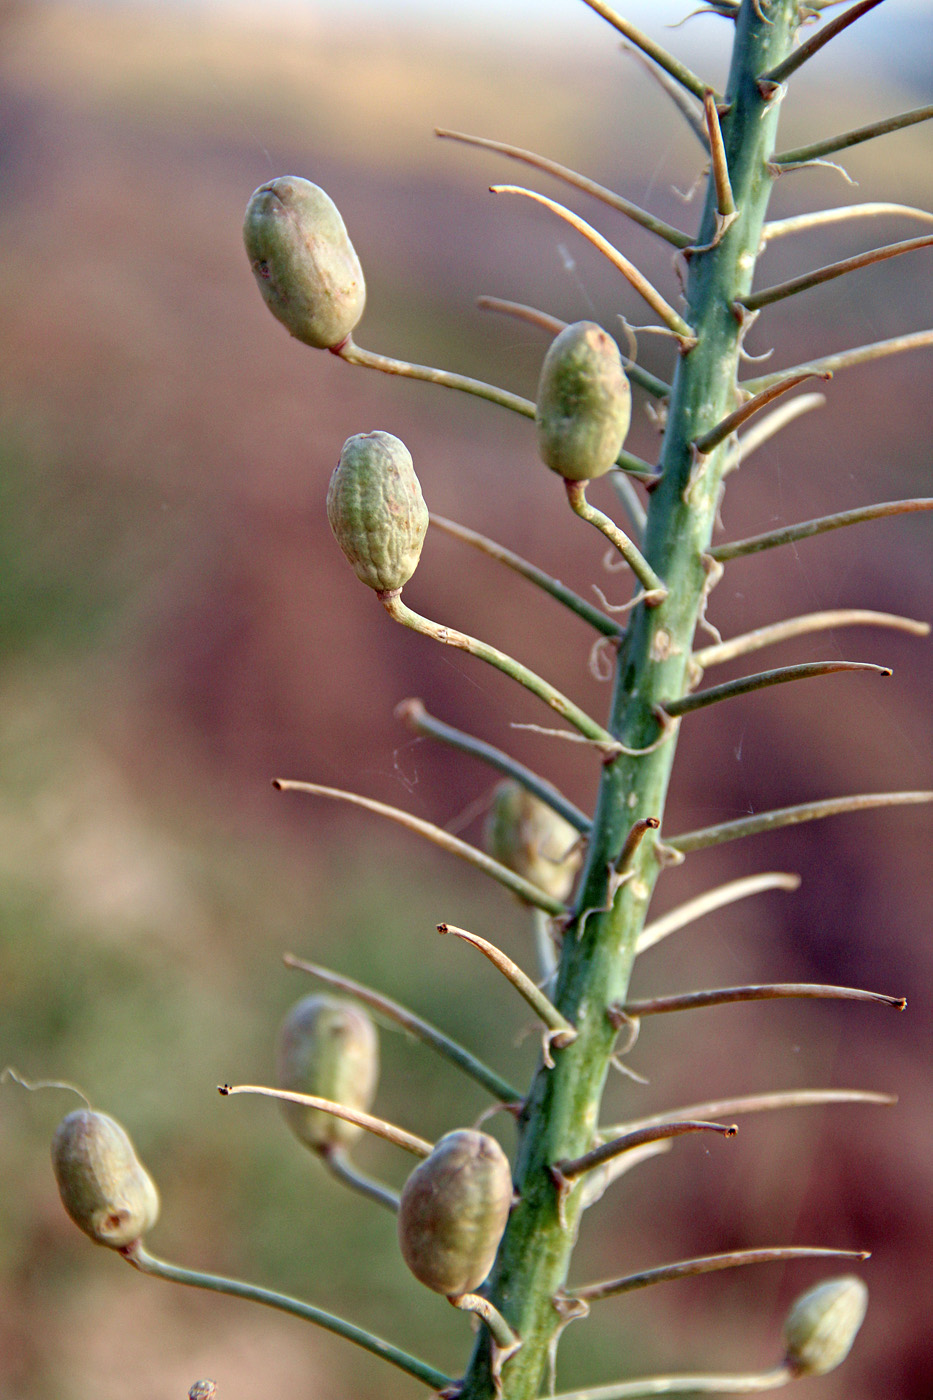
799, 626
782, 71
708, 1264
408, 1142
708, 903
733, 421
756, 1103
755, 300
767, 427
801, 223
723, 996
790, 534
859, 355
791, 816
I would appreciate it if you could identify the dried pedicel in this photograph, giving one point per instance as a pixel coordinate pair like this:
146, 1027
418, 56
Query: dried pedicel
529, 837
453, 1212
584, 404
822, 1325
304, 263
327, 1047
103, 1185
376, 510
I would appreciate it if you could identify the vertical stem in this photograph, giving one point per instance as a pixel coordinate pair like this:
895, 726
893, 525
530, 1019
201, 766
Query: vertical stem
599, 944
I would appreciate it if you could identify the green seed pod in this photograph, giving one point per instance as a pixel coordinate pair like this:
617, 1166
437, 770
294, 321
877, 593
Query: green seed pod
304, 264
822, 1325
327, 1047
104, 1187
453, 1210
529, 837
376, 510
584, 404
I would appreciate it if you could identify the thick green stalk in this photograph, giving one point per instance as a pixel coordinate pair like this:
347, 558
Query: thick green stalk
561, 1112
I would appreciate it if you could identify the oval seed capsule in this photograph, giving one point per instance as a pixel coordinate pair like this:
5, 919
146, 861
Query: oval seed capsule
584, 404
822, 1325
376, 510
103, 1185
453, 1212
529, 837
327, 1047
304, 263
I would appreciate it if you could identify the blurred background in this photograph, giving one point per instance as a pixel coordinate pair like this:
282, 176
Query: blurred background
177, 627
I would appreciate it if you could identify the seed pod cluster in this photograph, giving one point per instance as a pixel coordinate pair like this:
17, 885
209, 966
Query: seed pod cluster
376, 510
304, 263
327, 1047
453, 1212
529, 837
584, 404
822, 1325
103, 1185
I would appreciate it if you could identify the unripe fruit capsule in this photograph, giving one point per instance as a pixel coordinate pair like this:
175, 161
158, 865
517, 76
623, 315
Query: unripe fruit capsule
376, 510
453, 1212
584, 404
104, 1187
529, 837
304, 263
327, 1047
822, 1325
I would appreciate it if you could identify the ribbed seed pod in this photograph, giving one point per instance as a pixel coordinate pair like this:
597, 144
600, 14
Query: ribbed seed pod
453, 1211
376, 510
305, 265
103, 1185
822, 1325
529, 837
584, 404
327, 1047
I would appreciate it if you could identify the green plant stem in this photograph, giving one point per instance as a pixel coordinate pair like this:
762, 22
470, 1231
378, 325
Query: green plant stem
730, 690
339, 1165
399, 1137
859, 355
754, 301
581, 721
532, 573
671, 318
757, 1103
782, 71
653, 665
789, 534
655, 590
437, 836
577, 181
709, 902
790, 816
147, 1263
414, 1025
707, 1264
677, 70
853, 138
776, 632
722, 996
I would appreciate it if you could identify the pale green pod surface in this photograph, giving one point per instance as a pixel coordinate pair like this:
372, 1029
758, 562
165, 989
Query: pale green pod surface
529, 837
304, 263
453, 1212
103, 1185
822, 1325
584, 404
376, 510
327, 1047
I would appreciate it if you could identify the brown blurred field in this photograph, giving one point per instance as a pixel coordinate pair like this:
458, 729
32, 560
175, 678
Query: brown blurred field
177, 627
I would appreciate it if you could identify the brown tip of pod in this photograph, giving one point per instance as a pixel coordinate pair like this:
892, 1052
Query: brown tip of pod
103, 1185
376, 510
304, 263
453, 1212
584, 404
822, 1325
328, 1047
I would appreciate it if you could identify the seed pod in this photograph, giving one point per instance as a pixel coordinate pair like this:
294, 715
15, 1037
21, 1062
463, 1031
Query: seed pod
327, 1047
104, 1187
822, 1325
529, 837
305, 265
376, 510
584, 404
453, 1211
